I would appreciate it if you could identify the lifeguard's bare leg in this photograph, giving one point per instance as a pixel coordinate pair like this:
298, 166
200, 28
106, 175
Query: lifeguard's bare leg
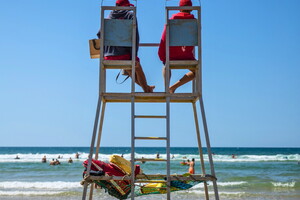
140, 78
186, 78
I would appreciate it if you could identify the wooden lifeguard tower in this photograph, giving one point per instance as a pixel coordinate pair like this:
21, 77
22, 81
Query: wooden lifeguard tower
176, 35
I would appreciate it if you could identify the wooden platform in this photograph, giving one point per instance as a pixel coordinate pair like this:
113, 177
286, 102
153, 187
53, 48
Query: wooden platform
159, 97
127, 64
154, 178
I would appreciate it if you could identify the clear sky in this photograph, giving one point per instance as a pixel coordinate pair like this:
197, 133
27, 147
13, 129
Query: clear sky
49, 85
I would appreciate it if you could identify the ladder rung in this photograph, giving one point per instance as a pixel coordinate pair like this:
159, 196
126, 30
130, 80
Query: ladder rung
150, 138
150, 159
150, 116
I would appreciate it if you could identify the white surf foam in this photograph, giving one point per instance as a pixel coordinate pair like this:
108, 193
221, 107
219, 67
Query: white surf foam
38, 157
177, 157
221, 184
225, 193
255, 158
27, 193
39, 185
281, 184
224, 184
217, 158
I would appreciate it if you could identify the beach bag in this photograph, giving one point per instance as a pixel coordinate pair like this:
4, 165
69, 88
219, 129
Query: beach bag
94, 48
118, 189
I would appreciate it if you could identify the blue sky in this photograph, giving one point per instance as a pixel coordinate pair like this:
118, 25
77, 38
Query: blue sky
251, 68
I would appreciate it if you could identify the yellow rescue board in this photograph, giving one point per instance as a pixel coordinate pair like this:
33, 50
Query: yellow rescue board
122, 163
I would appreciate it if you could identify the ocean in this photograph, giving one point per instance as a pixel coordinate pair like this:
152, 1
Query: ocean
254, 173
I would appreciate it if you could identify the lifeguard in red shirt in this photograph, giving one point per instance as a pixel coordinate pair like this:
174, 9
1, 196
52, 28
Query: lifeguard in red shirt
178, 52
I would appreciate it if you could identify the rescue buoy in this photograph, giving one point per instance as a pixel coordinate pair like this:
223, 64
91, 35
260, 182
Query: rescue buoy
183, 163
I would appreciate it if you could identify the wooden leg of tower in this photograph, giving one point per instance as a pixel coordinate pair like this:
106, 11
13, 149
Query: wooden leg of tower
98, 143
100, 130
168, 148
84, 191
212, 168
200, 149
91, 191
92, 146
132, 146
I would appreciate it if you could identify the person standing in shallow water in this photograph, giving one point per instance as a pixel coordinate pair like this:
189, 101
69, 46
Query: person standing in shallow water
52, 162
77, 155
44, 159
192, 166
57, 162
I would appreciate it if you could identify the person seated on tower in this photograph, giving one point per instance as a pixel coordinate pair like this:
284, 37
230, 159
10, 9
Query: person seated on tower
124, 53
178, 52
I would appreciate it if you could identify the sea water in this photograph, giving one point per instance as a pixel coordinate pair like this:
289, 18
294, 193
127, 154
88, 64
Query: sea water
253, 173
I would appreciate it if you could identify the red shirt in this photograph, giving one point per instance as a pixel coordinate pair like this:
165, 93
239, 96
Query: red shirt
176, 52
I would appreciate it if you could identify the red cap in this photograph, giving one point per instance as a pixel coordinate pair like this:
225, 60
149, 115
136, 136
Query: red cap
185, 3
124, 3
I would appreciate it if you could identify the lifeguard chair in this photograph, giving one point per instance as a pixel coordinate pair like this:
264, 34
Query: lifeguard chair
183, 32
